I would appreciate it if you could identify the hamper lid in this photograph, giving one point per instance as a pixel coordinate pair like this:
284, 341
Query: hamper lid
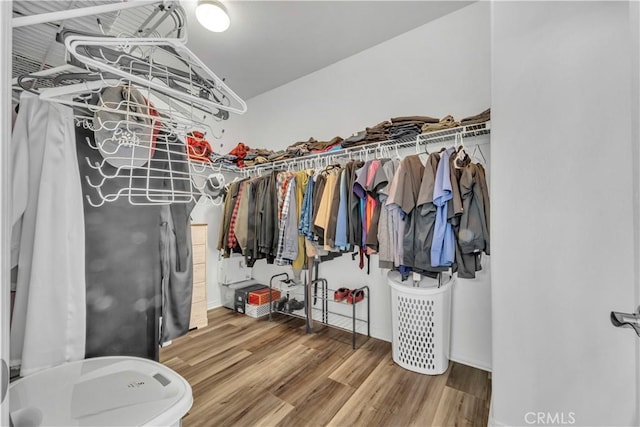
114, 391
426, 285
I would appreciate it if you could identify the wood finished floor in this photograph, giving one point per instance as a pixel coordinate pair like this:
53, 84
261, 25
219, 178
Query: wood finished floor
247, 372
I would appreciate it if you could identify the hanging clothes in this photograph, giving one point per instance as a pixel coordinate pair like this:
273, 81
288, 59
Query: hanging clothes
360, 189
288, 235
371, 237
473, 224
176, 254
354, 222
318, 192
232, 239
484, 190
282, 181
426, 217
242, 220
225, 225
48, 247
334, 205
443, 244
403, 196
403, 210
250, 252
342, 220
379, 180
306, 217
473, 230
269, 225
385, 222
302, 177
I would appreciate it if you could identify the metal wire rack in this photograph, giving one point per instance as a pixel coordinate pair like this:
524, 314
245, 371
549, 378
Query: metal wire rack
125, 70
419, 142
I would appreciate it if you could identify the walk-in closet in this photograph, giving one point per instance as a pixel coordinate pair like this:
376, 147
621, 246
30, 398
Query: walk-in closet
319, 213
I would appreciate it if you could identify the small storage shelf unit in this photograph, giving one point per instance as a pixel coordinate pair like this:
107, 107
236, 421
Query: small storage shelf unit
290, 289
331, 313
331, 316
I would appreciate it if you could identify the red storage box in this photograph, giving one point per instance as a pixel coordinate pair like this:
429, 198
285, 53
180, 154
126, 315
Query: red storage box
261, 296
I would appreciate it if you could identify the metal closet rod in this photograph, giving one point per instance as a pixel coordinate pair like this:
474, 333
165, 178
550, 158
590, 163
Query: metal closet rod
392, 144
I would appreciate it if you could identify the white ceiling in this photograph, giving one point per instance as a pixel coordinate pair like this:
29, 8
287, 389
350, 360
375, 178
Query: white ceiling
271, 43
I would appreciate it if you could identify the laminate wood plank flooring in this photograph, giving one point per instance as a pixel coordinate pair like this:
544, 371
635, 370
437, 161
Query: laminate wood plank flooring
248, 372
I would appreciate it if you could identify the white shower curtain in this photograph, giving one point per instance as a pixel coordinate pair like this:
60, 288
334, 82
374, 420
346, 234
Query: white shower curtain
47, 243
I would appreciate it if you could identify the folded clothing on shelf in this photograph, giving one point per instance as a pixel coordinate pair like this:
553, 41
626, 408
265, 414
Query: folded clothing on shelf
404, 131
485, 116
379, 132
240, 151
261, 152
400, 127
446, 122
354, 139
257, 161
414, 119
324, 146
224, 158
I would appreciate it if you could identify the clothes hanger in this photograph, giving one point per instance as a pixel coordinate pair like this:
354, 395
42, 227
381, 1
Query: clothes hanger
79, 47
478, 149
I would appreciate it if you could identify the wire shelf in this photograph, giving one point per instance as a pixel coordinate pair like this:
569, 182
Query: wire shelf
126, 71
419, 142
35, 47
340, 321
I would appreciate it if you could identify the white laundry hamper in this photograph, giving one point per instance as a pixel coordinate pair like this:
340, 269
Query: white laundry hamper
104, 391
421, 320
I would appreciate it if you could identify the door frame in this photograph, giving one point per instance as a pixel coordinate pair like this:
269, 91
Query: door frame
6, 8
634, 21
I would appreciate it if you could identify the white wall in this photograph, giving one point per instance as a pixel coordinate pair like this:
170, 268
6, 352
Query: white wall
440, 68
562, 224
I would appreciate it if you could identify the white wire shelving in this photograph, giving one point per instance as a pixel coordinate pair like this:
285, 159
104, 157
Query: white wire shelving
378, 149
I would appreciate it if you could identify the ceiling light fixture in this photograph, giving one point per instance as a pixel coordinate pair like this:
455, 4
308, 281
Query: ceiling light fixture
212, 15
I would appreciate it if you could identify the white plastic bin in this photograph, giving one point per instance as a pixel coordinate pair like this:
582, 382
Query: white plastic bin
421, 320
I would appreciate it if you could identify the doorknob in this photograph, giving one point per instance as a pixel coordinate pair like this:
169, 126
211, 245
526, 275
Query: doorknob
627, 320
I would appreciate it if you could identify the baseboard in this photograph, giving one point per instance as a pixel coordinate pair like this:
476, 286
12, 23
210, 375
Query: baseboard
213, 304
492, 422
472, 363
